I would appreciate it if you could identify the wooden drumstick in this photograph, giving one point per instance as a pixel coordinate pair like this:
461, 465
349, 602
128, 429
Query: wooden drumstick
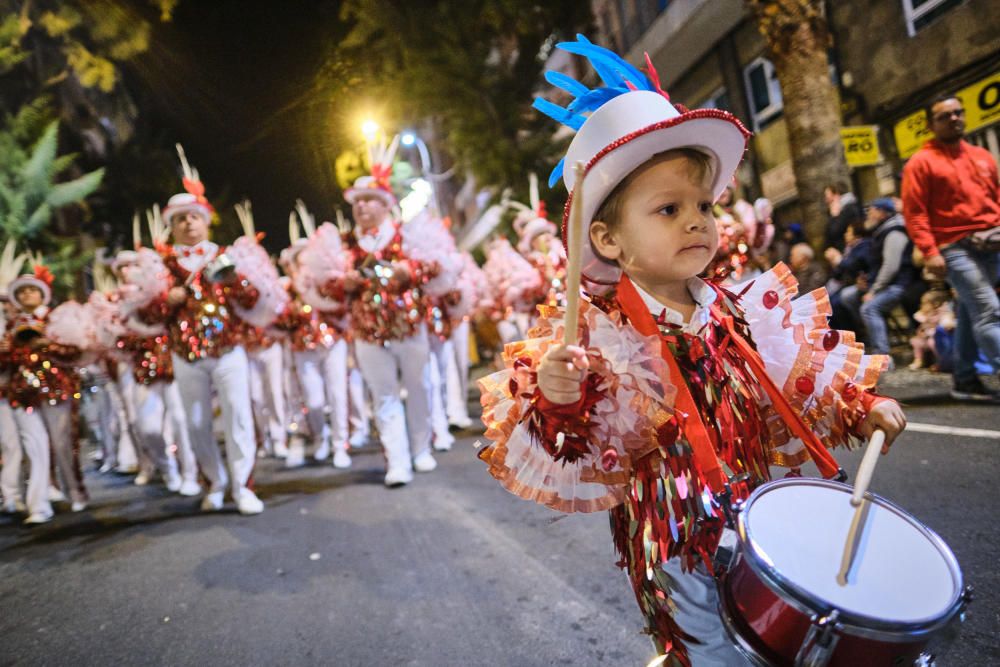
860, 503
574, 244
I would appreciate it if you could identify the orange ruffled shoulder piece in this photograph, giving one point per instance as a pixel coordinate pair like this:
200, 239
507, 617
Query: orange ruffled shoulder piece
823, 372
636, 398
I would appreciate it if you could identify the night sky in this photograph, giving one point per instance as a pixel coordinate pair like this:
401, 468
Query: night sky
238, 83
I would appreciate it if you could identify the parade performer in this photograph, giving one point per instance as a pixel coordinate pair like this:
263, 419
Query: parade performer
10, 443
266, 356
515, 282
210, 297
40, 351
159, 410
539, 245
383, 285
317, 330
681, 391
737, 224
472, 289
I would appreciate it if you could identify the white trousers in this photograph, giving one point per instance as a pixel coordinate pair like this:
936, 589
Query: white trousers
457, 375
323, 377
359, 414
10, 443
38, 428
229, 375
405, 432
267, 395
160, 427
440, 350
117, 420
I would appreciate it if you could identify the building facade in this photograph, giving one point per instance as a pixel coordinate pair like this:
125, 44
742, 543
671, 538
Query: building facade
888, 58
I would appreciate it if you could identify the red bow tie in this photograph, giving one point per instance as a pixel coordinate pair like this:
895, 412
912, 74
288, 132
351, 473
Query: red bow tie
187, 252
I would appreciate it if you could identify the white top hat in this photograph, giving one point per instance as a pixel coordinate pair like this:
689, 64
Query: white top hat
41, 279
185, 202
631, 120
380, 157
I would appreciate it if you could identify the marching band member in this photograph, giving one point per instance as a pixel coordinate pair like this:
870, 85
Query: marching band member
205, 307
42, 391
681, 391
317, 327
388, 319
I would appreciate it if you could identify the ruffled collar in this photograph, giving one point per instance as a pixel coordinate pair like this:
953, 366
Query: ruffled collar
377, 239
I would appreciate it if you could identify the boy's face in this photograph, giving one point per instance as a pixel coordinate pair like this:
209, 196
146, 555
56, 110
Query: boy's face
667, 231
28, 298
369, 211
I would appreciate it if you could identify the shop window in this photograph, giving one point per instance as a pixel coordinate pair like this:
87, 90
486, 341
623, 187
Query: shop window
920, 13
763, 92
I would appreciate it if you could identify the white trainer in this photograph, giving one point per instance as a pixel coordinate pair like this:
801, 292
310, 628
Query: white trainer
398, 476
280, 450
443, 442
173, 482
425, 461
78, 506
212, 502
248, 503
142, 479
189, 488
38, 517
461, 423
322, 452
359, 439
341, 459
55, 495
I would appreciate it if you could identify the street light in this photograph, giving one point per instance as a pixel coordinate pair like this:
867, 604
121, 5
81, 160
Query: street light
408, 138
369, 129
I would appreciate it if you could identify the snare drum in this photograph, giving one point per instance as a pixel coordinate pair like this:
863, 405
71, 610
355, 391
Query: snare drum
781, 601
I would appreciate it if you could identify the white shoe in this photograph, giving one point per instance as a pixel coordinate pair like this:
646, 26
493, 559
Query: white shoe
461, 423
38, 517
341, 459
189, 487
358, 439
295, 460
173, 482
322, 452
444, 442
78, 506
107, 466
13, 506
398, 476
248, 503
212, 502
127, 470
55, 495
424, 462
142, 479
280, 450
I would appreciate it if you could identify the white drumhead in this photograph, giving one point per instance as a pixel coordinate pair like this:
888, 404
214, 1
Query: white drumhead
900, 574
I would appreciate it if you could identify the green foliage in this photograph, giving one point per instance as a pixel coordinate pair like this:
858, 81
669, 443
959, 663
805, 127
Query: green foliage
467, 69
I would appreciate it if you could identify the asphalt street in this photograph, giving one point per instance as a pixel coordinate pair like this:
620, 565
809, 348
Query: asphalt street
450, 570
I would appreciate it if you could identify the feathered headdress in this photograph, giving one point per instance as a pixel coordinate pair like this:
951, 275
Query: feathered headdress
193, 198
623, 123
380, 157
530, 222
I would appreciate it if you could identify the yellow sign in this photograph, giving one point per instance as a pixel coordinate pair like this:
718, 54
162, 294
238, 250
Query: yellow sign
860, 145
981, 101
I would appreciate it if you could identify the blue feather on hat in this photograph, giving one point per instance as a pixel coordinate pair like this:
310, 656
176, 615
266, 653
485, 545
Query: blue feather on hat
617, 75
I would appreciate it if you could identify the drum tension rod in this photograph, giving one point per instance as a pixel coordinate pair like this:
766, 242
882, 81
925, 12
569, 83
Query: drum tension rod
819, 643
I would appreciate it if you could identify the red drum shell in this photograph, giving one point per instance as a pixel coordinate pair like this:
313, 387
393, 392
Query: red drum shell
770, 618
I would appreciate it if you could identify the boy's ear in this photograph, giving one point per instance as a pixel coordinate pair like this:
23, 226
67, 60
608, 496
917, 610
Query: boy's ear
604, 241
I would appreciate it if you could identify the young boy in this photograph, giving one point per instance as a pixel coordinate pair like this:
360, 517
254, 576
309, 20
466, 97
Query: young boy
679, 388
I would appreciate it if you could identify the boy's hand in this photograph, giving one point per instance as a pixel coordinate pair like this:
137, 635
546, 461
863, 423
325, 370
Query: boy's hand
561, 373
887, 416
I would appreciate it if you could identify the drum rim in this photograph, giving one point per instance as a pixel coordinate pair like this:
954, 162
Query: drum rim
860, 624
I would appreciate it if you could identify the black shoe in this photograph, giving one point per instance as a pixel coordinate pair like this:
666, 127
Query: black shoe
973, 390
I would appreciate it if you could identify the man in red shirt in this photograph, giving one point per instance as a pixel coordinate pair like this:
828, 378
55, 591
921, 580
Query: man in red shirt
950, 191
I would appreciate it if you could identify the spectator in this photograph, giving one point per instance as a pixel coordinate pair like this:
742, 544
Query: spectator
844, 212
950, 197
789, 236
810, 273
935, 312
846, 268
891, 272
